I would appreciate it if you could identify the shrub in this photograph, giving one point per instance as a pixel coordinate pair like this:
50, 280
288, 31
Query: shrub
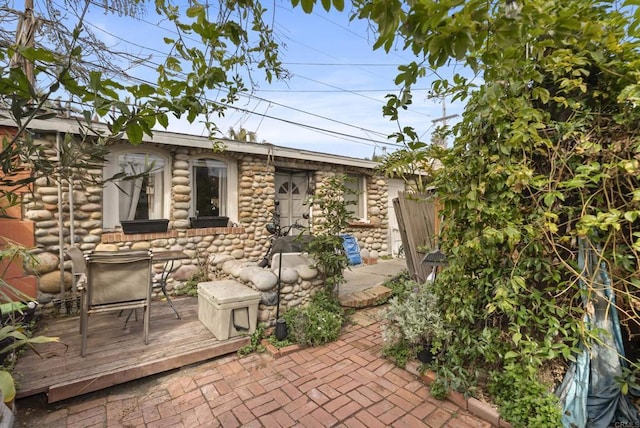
317, 323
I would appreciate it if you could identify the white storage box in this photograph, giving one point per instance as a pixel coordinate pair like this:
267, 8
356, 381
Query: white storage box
228, 308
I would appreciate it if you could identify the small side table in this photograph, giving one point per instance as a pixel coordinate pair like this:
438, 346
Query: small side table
169, 258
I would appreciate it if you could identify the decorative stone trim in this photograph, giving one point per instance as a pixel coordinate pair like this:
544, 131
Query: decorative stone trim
206, 231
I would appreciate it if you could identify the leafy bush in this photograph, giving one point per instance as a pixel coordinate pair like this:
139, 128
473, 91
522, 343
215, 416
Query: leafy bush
524, 401
317, 323
190, 287
399, 352
256, 341
401, 284
414, 317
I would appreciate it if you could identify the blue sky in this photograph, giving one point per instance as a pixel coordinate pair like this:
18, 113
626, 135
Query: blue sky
333, 101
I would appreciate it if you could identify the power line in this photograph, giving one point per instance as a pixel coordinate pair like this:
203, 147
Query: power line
261, 99
250, 96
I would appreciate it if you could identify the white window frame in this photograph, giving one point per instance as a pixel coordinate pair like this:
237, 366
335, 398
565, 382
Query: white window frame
111, 199
232, 185
358, 183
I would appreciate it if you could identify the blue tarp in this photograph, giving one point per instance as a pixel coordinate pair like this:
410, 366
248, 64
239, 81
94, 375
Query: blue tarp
352, 249
589, 393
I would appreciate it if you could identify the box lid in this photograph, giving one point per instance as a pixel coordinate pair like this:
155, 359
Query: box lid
227, 291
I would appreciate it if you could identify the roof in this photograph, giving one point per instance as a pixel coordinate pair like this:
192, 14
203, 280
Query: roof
70, 125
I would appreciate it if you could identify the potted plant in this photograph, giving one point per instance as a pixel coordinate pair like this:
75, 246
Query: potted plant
414, 318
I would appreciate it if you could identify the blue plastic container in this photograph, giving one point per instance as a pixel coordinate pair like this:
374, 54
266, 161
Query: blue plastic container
352, 249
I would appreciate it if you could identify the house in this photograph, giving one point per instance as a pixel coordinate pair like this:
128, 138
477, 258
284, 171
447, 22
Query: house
189, 179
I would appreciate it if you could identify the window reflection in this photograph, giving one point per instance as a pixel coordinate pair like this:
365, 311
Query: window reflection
210, 184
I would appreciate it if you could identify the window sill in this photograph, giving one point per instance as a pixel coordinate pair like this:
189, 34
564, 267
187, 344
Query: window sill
363, 224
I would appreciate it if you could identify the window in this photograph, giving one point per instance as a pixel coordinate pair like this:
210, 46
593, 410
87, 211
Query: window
145, 197
210, 184
356, 196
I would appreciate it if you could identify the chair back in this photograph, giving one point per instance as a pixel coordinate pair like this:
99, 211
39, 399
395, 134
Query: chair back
118, 277
77, 260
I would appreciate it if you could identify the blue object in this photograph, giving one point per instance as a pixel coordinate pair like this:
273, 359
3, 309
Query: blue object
351, 248
589, 393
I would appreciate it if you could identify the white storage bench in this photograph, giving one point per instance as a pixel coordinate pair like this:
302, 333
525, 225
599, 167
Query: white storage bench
228, 308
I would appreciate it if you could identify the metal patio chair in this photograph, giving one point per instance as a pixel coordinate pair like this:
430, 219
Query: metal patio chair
116, 281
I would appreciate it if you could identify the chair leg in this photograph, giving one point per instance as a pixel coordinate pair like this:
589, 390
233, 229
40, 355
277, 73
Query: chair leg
147, 318
84, 318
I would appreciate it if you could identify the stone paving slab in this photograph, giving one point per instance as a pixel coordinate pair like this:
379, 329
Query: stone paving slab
342, 384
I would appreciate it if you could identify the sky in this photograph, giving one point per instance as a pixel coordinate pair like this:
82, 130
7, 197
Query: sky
332, 102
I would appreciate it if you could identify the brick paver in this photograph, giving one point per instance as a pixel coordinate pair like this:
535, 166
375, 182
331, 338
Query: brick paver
341, 384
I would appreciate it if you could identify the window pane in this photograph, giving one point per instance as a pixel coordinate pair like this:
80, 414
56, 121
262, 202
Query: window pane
141, 198
210, 179
354, 196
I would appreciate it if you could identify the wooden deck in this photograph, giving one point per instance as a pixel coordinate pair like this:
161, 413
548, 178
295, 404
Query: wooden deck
115, 355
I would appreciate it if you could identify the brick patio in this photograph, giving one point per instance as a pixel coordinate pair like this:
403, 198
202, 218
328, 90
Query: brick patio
345, 383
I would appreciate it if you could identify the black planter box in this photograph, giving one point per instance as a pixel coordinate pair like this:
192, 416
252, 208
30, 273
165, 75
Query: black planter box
208, 221
145, 226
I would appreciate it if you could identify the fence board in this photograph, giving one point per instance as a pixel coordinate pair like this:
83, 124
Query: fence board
416, 213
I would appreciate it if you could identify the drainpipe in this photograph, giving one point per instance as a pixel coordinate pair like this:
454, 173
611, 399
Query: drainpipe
72, 237
63, 307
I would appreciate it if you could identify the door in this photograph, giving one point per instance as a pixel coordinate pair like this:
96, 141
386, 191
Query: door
291, 193
395, 240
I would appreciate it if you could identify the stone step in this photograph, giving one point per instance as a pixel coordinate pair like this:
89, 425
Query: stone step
365, 298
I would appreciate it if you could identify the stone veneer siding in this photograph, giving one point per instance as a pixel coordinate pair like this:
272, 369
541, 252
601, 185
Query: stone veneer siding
247, 240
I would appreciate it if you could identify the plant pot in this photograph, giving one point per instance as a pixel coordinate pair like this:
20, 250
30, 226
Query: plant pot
425, 355
145, 226
208, 221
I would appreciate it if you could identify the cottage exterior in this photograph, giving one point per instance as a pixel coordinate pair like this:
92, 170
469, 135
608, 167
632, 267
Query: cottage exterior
242, 183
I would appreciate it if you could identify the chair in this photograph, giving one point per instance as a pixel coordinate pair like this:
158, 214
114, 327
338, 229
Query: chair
116, 281
78, 269
78, 265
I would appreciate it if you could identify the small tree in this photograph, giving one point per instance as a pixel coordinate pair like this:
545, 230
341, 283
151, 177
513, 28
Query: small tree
333, 219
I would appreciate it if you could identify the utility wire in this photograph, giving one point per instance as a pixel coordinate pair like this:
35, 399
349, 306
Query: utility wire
260, 99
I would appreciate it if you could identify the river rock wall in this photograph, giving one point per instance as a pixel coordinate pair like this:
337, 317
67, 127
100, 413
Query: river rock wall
245, 241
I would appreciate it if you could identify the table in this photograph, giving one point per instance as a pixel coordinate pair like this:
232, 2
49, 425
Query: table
169, 258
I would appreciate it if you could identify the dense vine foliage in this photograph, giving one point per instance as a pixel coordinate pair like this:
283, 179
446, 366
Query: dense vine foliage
546, 155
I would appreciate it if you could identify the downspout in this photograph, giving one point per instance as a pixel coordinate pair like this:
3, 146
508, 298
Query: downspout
63, 307
72, 237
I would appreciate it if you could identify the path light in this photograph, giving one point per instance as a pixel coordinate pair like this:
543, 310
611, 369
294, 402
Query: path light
434, 260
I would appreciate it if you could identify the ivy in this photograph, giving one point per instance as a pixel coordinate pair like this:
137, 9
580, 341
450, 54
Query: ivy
546, 153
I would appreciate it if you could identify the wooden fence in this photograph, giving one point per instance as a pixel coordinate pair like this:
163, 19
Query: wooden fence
418, 222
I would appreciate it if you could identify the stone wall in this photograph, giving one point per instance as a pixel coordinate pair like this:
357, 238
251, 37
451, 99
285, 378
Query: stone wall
373, 236
245, 242
299, 280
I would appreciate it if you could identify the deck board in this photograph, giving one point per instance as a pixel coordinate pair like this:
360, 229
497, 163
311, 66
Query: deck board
116, 355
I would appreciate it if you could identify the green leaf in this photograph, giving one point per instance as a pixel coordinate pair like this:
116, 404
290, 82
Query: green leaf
7, 386
307, 5
516, 337
134, 133
510, 355
339, 5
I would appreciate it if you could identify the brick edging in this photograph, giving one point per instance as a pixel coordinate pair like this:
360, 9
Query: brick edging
474, 406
